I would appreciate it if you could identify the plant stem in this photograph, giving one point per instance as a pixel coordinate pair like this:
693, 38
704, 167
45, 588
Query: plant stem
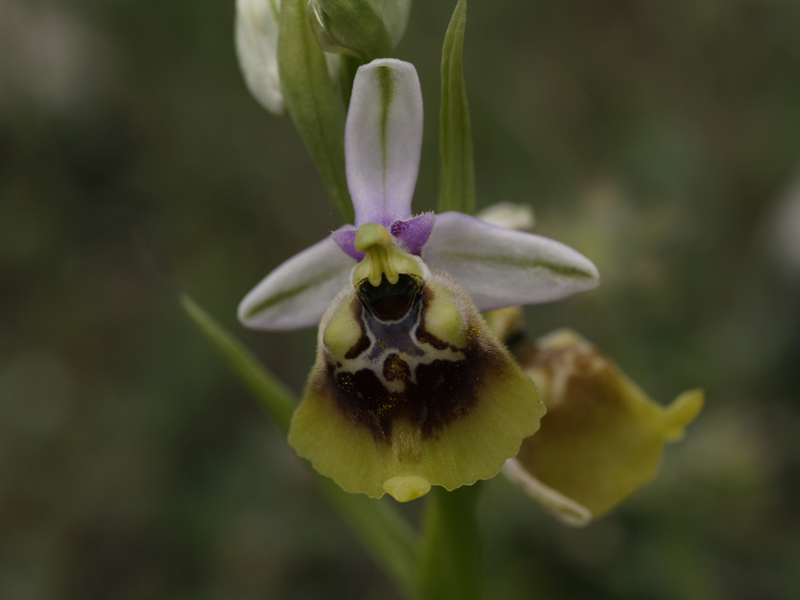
450, 561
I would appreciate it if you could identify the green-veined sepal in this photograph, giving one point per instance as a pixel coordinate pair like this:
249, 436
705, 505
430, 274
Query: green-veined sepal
499, 267
296, 294
257, 24
383, 140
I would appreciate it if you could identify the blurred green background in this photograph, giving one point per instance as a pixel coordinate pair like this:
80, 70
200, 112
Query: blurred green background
661, 139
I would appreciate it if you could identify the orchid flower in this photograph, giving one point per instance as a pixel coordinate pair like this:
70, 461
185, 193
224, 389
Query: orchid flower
602, 438
409, 389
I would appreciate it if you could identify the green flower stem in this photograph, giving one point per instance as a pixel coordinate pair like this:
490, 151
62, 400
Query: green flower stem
387, 536
450, 562
456, 169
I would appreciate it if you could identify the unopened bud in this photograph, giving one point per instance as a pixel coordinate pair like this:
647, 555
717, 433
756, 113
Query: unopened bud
355, 26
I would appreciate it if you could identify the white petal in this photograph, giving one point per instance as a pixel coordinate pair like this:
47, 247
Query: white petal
500, 267
257, 23
383, 138
296, 294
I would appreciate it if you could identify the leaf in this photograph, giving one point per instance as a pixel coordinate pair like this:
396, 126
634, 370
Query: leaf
456, 169
390, 539
275, 398
313, 103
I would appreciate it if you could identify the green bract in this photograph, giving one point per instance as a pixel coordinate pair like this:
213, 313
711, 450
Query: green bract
456, 169
368, 28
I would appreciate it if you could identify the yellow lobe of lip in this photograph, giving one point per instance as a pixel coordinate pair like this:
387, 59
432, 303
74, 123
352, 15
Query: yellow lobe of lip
404, 489
382, 258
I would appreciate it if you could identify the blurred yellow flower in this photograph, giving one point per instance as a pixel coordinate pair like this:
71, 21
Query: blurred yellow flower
602, 437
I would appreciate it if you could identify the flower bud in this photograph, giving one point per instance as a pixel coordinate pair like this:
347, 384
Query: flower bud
356, 26
257, 27
257, 23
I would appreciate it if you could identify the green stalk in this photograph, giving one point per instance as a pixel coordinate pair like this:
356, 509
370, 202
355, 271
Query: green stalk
450, 561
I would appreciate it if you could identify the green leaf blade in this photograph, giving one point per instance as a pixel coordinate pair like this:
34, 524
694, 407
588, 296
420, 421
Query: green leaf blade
275, 398
457, 170
393, 543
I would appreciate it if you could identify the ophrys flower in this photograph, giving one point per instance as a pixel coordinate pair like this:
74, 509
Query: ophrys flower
409, 388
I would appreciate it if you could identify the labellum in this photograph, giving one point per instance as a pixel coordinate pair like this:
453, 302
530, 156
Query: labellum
409, 388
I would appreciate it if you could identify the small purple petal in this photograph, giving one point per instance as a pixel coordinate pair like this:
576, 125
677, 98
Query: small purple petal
345, 238
414, 233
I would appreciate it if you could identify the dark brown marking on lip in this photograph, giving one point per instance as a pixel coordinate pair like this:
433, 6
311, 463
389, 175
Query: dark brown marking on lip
396, 369
444, 391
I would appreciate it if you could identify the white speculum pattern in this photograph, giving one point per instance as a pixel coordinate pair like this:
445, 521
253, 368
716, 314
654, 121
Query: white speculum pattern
398, 337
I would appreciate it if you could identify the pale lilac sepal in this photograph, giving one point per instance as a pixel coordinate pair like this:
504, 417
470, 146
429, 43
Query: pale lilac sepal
296, 294
500, 267
383, 139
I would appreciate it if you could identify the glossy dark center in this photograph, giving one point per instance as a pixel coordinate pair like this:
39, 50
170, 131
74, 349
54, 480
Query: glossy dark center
390, 301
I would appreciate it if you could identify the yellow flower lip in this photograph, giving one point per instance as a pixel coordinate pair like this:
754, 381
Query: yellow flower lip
383, 258
398, 403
